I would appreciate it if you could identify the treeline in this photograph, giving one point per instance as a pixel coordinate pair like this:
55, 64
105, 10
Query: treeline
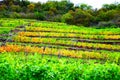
62, 11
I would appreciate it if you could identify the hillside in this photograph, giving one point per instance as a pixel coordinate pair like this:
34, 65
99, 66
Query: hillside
40, 50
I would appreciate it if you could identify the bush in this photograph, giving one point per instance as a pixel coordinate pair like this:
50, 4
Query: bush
15, 15
30, 15
39, 16
107, 15
27, 15
6, 14
16, 8
57, 18
68, 18
109, 24
77, 17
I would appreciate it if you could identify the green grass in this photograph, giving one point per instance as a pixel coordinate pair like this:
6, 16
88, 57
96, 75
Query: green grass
17, 66
5, 30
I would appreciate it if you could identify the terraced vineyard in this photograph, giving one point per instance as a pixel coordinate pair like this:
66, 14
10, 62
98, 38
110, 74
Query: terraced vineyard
61, 40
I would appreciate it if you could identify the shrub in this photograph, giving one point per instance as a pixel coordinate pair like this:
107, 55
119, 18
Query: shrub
67, 18
106, 24
15, 15
39, 16
77, 17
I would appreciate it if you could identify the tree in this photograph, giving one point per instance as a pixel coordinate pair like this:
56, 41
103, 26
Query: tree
78, 17
64, 6
38, 7
24, 3
16, 8
53, 11
68, 17
8, 2
3, 7
85, 7
108, 15
111, 6
31, 7
39, 16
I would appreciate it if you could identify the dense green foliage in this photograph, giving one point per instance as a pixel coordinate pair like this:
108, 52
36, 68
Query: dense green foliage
17, 66
63, 11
